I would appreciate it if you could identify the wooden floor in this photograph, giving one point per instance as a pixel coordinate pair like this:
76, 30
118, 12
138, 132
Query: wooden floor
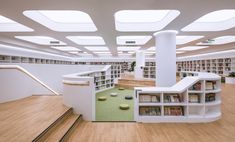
23, 120
219, 131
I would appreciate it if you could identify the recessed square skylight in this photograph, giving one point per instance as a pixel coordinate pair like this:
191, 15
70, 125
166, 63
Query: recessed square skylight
191, 48
66, 48
63, 20
186, 39
97, 48
87, 40
8, 25
143, 20
128, 48
215, 21
218, 40
132, 40
42, 40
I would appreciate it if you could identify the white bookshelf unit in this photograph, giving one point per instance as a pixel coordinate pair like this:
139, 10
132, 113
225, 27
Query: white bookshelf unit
221, 66
79, 89
19, 59
149, 70
102, 78
194, 99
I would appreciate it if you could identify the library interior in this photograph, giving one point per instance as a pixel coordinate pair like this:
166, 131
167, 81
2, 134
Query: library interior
117, 71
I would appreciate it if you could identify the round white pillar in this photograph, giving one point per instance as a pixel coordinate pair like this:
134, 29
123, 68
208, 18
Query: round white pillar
165, 43
140, 63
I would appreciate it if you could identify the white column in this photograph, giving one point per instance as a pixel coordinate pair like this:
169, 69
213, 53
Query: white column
165, 42
140, 63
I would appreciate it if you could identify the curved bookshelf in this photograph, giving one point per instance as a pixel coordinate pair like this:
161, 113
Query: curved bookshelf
194, 99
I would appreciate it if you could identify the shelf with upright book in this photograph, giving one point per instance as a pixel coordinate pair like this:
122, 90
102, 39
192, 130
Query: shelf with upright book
149, 110
190, 100
174, 110
150, 98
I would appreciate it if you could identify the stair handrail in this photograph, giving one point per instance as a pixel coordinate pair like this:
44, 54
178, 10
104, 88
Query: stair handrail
30, 75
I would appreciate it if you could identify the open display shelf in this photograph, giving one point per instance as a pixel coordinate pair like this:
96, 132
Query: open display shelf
102, 79
221, 66
149, 70
19, 59
196, 98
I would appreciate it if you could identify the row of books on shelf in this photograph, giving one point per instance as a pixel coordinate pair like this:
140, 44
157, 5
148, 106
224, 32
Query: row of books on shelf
196, 86
210, 97
149, 98
149, 111
173, 98
156, 111
194, 98
211, 85
174, 110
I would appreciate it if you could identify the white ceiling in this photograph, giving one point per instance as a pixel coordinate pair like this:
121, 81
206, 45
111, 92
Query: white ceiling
102, 13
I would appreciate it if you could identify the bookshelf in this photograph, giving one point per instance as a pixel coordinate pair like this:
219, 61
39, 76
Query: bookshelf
20, 59
196, 98
149, 71
102, 78
221, 66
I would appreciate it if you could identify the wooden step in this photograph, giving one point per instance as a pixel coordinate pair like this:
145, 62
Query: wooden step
58, 130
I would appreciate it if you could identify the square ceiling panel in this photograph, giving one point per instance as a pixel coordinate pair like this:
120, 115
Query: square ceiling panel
128, 48
8, 25
87, 40
218, 41
132, 40
41, 40
97, 48
143, 20
215, 21
63, 20
66, 48
191, 48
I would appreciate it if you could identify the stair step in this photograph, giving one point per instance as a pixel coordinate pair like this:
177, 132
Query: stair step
60, 130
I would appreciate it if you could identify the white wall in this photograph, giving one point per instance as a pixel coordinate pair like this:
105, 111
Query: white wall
15, 85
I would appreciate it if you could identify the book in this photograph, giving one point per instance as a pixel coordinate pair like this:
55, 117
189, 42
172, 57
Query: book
196, 86
210, 97
149, 110
173, 111
194, 98
211, 85
172, 98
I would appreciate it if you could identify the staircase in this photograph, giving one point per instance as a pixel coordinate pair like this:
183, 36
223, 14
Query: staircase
60, 129
130, 83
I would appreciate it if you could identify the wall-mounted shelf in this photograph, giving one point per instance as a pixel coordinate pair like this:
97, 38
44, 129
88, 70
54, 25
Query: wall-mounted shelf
221, 66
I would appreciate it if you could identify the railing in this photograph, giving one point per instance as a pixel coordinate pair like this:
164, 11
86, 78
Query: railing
28, 74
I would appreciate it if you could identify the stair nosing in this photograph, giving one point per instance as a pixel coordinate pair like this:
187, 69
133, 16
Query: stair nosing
70, 128
50, 126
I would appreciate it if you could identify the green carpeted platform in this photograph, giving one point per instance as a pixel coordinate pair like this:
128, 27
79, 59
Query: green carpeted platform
109, 110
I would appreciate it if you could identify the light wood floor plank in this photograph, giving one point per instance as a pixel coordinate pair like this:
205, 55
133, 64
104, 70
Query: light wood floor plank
23, 120
222, 130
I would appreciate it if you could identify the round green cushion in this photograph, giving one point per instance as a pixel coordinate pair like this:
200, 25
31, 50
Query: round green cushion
113, 94
121, 88
128, 97
102, 98
124, 106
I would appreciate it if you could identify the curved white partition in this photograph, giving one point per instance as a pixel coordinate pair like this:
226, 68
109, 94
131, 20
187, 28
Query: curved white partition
79, 90
196, 98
